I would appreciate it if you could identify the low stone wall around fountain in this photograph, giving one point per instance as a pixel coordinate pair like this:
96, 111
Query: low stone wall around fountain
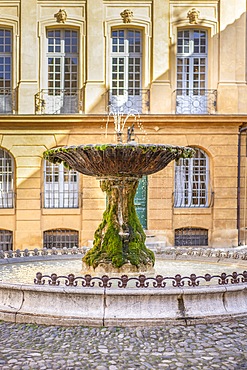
114, 307
99, 305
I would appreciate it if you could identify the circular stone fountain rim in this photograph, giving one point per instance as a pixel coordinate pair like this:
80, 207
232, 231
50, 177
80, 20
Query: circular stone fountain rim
134, 145
70, 306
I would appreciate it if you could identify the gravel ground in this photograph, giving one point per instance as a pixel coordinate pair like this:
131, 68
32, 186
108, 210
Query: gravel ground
203, 346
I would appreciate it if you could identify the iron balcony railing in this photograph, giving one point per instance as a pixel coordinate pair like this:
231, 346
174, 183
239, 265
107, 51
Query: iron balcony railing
58, 101
7, 199
194, 198
128, 100
61, 199
7, 101
196, 101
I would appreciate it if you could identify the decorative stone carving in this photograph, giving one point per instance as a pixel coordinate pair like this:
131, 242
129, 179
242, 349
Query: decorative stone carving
193, 16
127, 15
61, 16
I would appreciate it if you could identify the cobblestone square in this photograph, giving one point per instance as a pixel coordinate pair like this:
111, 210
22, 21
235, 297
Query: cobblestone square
198, 347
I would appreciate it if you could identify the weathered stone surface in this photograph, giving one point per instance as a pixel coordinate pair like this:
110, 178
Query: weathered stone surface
118, 160
71, 306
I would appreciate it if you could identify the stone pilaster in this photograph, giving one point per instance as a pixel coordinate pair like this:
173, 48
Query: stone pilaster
160, 86
95, 87
232, 61
28, 83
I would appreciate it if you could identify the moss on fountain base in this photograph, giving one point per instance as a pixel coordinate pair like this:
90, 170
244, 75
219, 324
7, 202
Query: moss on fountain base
119, 241
108, 268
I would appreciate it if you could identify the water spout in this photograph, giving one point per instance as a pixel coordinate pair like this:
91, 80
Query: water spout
119, 121
131, 133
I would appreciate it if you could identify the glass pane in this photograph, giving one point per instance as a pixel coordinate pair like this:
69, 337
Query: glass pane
129, 43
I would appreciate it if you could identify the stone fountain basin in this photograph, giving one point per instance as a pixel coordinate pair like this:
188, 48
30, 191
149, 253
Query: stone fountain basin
68, 306
117, 160
102, 306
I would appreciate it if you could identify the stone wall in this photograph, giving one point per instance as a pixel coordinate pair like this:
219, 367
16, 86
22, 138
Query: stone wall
31, 136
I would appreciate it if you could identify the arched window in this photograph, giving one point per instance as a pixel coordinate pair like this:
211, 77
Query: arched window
192, 72
6, 240
61, 187
126, 70
60, 238
6, 92
192, 187
62, 71
191, 236
6, 180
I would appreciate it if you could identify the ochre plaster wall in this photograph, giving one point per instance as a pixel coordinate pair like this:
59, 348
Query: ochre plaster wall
159, 21
31, 137
26, 135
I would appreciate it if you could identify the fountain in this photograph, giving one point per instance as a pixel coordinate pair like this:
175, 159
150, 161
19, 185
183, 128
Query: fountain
119, 241
63, 298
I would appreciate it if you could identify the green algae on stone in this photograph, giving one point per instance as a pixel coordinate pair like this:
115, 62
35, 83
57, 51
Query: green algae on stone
120, 238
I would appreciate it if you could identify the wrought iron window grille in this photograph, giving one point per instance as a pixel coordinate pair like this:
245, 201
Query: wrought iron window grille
6, 240
7, 199
190, 236
190, 199
63, 199
60, 238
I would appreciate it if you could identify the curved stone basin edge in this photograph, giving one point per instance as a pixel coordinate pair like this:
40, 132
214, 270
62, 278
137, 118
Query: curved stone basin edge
68, 306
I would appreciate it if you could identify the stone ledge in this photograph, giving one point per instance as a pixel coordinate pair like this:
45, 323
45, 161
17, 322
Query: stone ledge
69, 306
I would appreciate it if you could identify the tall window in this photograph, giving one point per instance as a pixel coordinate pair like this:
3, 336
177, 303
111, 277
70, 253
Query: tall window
126, 70
6, 180
5, 71
62, 61
192, 181
60, 187
192, 71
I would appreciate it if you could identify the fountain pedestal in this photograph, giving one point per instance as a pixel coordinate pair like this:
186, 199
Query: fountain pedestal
119, 241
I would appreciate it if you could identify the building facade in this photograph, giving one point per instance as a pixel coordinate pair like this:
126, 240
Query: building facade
177, 68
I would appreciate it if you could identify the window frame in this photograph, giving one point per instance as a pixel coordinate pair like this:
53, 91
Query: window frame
7, 172
189, 236
192, 181
7, 94
7, 244
123, 51
61, 54
126, 61
59, 193
57, 236
191, 55
75, 103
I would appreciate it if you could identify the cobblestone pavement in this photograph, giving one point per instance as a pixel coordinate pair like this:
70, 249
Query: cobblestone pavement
203, 346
